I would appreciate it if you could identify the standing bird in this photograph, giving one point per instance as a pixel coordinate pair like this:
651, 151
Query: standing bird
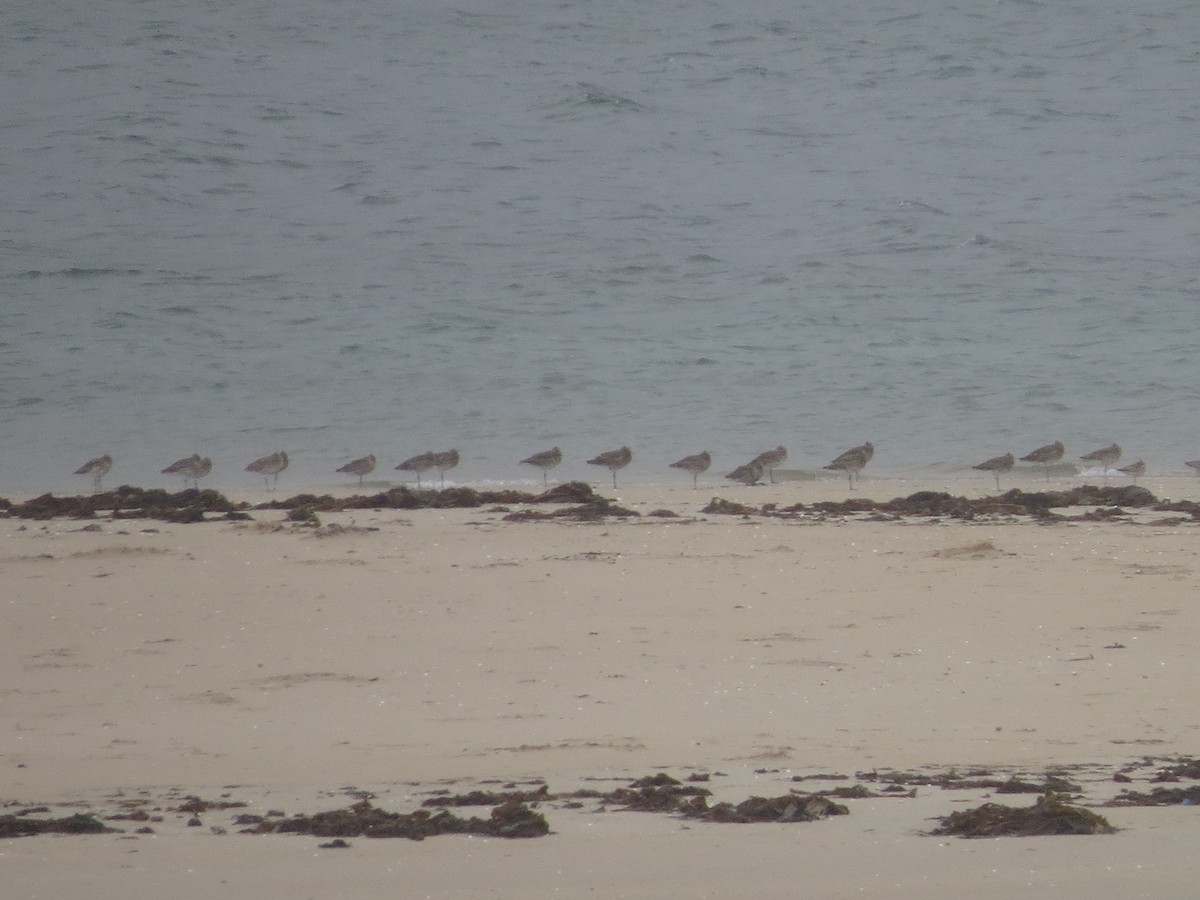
1106, 456
97, 468
203, 467
268, 466
697, 464
747, 474
364, 465
613, 460
853, 460
997, 465
1135, 470
546, 460
193, 467
770, 459
422, 462
444, 462
1051, 453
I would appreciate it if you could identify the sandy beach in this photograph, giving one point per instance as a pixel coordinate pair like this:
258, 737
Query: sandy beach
392, 654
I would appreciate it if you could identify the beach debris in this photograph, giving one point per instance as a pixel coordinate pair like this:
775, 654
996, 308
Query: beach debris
180, 507
489, 798
192, 505
593, 511
333, 529
1189, 796
195, 805
658, 793
977, 550
1039, 505
788, 808
303, 515
1183, 767
1052, 814
720, 507
973, 780
663, 794
509, 820
13, 826
514, 809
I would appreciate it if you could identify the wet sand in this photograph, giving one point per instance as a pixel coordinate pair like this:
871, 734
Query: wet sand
407, 652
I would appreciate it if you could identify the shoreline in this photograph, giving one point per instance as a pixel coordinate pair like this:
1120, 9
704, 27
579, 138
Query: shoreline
302, 476
792, 486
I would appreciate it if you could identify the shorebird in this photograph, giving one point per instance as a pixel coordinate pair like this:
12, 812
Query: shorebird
770, 459
613, 460
203, 467
189, 467
1195, 464
1135, 470
853, 460
747, 474
696, 464
270, 465
444, 462
364, 465
546, 460
1106, 456
1050, 453
97, 468
997, 465
422, 462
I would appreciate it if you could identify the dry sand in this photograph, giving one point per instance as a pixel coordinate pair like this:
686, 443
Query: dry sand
432, 649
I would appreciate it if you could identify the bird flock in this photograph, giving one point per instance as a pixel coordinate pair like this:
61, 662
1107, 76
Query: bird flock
1052, 453
852, 462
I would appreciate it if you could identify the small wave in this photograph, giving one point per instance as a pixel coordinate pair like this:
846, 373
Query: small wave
594, 95
77, 272
237, 187
87, 67
959, 71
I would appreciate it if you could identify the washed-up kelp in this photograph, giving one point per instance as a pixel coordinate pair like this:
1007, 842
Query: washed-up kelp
1050, 815
509, 820
12, 826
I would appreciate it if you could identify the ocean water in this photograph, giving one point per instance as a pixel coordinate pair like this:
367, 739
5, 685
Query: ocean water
953, 229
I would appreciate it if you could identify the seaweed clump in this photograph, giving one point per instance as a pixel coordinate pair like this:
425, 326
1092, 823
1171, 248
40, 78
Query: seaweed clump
722, 507
1050, 815
126, 502
404, 497
594, 510
788, 808
490, 798
24, 826
1189, 796
509, 820
659, 793
664, 794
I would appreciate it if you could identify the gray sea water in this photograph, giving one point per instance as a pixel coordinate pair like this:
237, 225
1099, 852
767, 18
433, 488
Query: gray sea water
953, 229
